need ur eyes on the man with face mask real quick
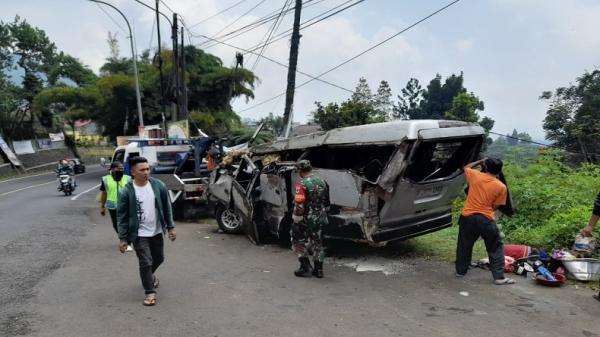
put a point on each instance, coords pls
(109, 192)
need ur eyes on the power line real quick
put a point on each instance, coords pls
(541, 144)
(112, 19)
(279, 63)
(169, 8)
(357, 55)
(151, 35)
(238, 18)
(304, 24)
(265, 19)
(519, 139)
(269, 33)
(217, 14)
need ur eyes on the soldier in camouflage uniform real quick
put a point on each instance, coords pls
(311, 205)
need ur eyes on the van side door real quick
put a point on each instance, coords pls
(241, 195)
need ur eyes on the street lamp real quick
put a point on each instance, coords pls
(135, 70)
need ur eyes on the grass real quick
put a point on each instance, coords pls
(440, 245)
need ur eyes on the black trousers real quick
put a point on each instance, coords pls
(470, 229)
(113, 218)
(150, 253)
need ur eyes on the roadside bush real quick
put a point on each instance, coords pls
(558, 232)
(552, 201)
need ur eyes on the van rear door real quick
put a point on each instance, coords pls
(432, 179)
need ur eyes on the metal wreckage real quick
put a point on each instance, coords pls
(388, 181)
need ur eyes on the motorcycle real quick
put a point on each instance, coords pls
(66, 184)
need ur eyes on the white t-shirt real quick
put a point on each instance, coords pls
(146, 211)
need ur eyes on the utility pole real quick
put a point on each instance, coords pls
(135, 69)
(160, 71)
(176, 106)
(182, 85)
(288, 114)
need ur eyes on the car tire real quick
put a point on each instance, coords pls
(229, 220)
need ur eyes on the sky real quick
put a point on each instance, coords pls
(508, 50)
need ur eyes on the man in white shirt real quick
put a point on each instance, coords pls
(144, 213)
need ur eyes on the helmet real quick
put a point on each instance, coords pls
(304, 165)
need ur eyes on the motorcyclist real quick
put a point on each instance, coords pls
(65, 168)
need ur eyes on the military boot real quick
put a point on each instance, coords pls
(318, 270)
(304, 267)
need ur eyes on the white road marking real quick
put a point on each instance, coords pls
(84, 192)
(43, 184)
(25, 177)
(26, 188)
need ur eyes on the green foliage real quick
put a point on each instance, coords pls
(361, 108)
(244, 134)
(409, 100)
(464, 108)
(552, 201)
(558, 232)
(449, 100)
(573, 117)
(11, 115)
(116, 107)
(64, 104)
(216, 123)
(348, 113)
(520, 153)
(274, 124)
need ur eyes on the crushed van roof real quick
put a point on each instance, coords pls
(379, 133)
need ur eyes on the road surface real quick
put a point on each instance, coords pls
(61, 275)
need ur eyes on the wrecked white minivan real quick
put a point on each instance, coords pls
(388, 181)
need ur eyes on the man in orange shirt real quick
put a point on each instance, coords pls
(486, 194)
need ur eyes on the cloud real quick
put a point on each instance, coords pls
(464, 45)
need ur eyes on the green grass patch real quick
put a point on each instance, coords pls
(440, 246)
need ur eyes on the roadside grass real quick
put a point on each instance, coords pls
(440, 246)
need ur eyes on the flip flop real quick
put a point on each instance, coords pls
(504, 281)
(149, 301)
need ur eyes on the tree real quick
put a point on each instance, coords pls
(512, 139)
(464, 108)
(438, 97)
(524, 137)
(382, 102)
(573, 116)
(362, 92)
(63, 104)
(273, 123)
(408, 101)
(117, 105)
(29, 49)
(11, 111)
(348, 113)
(211, 86)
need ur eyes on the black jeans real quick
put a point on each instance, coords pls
(150, 253)
(472, 227)
(113, 218)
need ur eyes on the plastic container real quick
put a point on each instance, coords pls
(559, 280)
(583, 269)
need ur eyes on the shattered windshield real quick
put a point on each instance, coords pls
(441, 159)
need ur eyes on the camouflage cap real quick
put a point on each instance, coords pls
(304, 165)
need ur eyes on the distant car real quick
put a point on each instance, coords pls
(78, 166)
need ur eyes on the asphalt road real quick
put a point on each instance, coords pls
(61, 275)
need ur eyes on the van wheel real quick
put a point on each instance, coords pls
(229, 221)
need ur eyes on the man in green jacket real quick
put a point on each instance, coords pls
(143, 215)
